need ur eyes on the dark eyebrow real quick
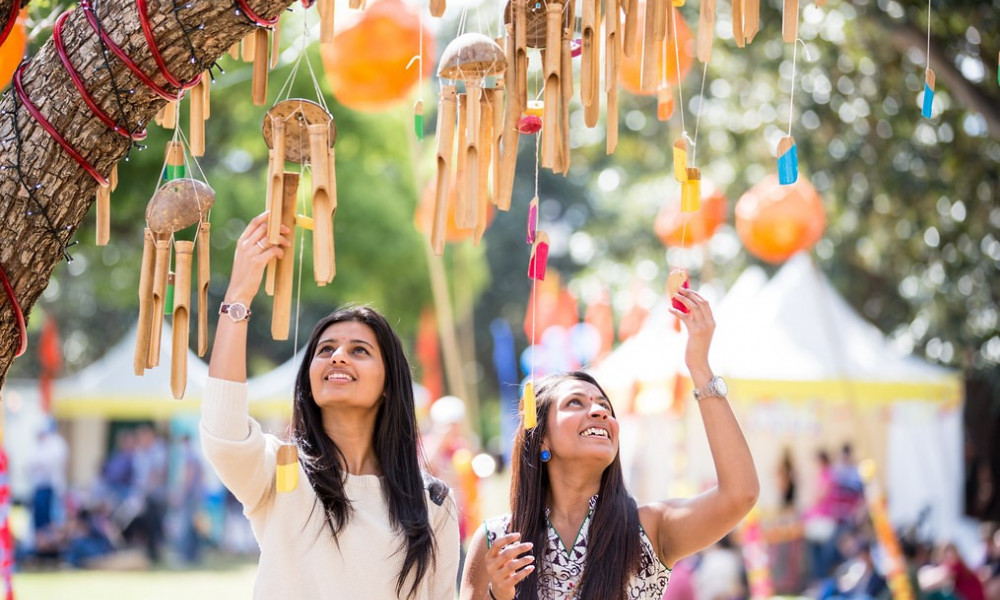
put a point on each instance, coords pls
(334, 341)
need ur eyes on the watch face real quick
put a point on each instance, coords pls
(720, 386)
(237, 312)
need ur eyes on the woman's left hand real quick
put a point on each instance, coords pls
(700, 325)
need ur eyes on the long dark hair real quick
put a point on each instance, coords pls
(613, 543)
(394, 441)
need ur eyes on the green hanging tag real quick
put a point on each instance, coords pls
(418, 119)
(173, 172)
(168, 301)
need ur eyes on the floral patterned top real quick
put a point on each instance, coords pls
(561, 569)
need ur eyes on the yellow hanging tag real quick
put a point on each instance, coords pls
(304, 222)
(680, 160)
(691, 191)
(528, 405)
(288, 468)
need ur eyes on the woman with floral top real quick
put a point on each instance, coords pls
(574, 531)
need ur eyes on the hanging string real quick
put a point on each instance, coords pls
(677, 65)
(928, 54)
(791, 95)
(697, 120)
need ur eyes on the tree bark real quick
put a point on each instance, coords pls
(5, 6)
(35, 230)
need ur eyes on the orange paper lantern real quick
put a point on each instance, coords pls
(630, 72)
(366, 63)
(677, 228)
(775, 221)
(12, 50)
(424, 216)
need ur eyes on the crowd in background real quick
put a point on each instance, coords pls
(154, 503)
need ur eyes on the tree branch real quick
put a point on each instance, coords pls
(45, 193)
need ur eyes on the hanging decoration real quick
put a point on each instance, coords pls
(746, 21)
(788, 153)
(471, 57)
(649, 68)
(775, 221)
(179, 203)
(364, 80)
(927, 108)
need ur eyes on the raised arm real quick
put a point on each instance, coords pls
(494, 571)
(229, 354)
(233, 442)
(686, 526)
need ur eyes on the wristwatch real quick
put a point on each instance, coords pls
(236, 311)
(715, 388)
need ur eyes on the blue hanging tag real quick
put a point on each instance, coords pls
(788, 161)
(928, 93)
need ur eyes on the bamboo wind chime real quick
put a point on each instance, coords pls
(178, 203)
(299, 131)
(471, 57)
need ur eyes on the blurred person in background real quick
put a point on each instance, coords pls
(47, 474)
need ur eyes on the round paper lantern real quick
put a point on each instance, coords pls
(424, 216)
(12, 50)
(366, 63)
(630, 71)
(676, 228)
(775, 221)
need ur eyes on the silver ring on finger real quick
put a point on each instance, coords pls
(260, 245)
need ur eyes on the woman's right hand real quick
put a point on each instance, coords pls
(506, 566)
(252, 255)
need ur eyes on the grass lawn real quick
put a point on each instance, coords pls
(218, 579)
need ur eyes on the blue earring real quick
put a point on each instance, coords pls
(546, 455)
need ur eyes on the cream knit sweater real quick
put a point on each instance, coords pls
(299, 559)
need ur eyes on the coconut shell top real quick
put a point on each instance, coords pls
(298, 114)
(536, 20)
(177, 204)
(471, 56)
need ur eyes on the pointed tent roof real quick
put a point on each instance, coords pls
(109, 386)
(799, 331)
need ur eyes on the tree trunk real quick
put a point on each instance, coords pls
(36, 226)
(5, 6)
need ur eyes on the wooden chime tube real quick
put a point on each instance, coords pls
(234, 51)
(146, 275)
(357, 4)
(612, 61)
(322, 203)
(751, 19)
(706, 30)
(565, 95)
(496, 101)
(445, 150)
(261, 63)
(553, 88)
(509, 135)
(275, 45)
(738, 8)
(103, 215)
(485, 158)
(275, 175)
(204, 277)
(197, 142)
(456, 191)
(660, 9)
(206, 88)
(649, 75)
(160, 270)
(520, 54)
(168, 114)
(281, 312)
(183, 251)
(790, 21)
(630, 35)
(590, 55)
(331, 165)
(247, 52)
(467, 212)
(326, 14)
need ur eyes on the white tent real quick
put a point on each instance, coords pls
(805, 372)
